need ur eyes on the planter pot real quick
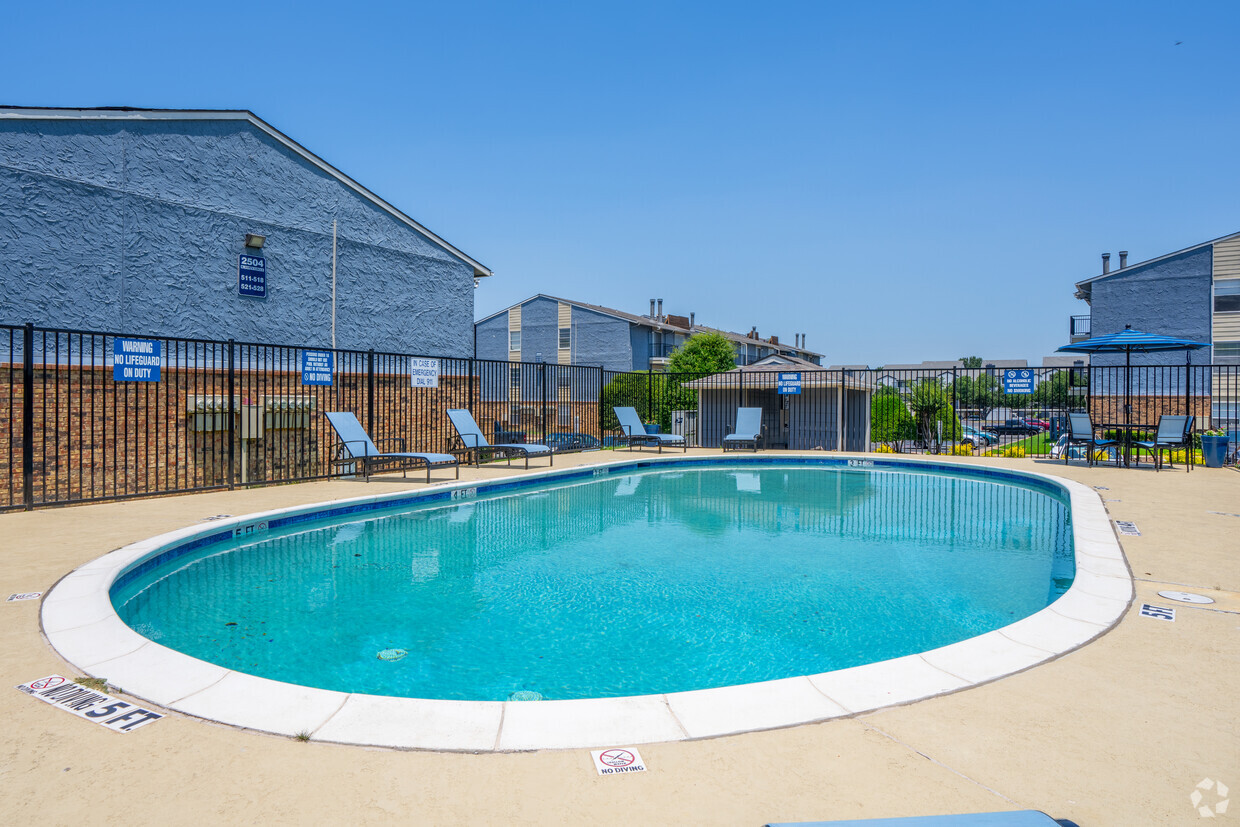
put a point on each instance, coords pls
(1213, 450)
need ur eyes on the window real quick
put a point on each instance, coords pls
(514, 340)
(1227, 296)
(566, 338)
(514, 376)
(565, 416)
(1227, 350)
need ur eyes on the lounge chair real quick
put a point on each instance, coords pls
(472, 438)
(748, 429)
(635, 432)
(357, 448)
(1081, 432)
(1174, 432)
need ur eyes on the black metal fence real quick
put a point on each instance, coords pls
(224, 414)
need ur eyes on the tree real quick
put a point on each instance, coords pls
(890, 421)
(979, 393)
(931, 405)
(641, 391)
(971, 362)
(703, 354)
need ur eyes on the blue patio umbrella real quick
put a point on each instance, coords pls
(1126, 342)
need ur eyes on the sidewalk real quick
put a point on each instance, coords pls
(1116, 733)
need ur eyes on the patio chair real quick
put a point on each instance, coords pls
(1174, 432)
(357, 448)
(748, 429)
(633, 429)
(1081, 432)
(472, 438)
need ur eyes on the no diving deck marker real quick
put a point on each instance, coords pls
(118, 716)
(1157, 612)
(1127, 528)
(617, 761)
(13, 598)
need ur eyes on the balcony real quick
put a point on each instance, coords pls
(1078, 328)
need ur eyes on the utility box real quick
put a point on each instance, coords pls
(684, 423)
(210, 413)
(287, 412)
(251, 424)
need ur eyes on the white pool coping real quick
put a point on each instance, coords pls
(80, 623)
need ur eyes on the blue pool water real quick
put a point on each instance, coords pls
(636, 582)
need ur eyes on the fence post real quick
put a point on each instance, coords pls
(542, 380)
(649, 384)
(955, 413)
(232, 430)
(473, 399)
(370, 391)
(28, 416)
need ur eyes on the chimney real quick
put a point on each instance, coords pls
(652, 308)
(660, 309)
(802, 341)
(690, 319)
(1106, 263)
(1123, 259)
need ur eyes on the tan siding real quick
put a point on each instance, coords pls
(514, 323)
(564, 355)
(1227, 327)
(1227, 259)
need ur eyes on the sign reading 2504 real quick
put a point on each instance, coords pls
(252, 276)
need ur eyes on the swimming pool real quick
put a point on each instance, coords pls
(819, 687)
(640, 582)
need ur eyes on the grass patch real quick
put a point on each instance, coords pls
(97, 684)
(1038, 444)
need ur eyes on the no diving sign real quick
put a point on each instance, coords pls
(115, 715)
(617, 761)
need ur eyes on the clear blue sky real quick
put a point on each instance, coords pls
(899, 181)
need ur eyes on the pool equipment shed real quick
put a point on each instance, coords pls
(829, 410)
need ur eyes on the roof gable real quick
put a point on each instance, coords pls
(125, 113)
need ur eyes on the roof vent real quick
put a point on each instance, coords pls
(1106, 263)
(1123, 259)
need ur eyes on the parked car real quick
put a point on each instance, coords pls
(1041, 423)
(974, 437)
(1015, 427)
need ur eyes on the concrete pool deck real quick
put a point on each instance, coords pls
(1117, 732)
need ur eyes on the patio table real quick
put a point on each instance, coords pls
(1126, 429)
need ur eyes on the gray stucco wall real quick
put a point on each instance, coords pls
(135, 226)
(493, 338)
(540, 330)
(1171, 297)
(602, 340)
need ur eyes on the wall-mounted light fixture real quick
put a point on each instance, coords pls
(255, 241)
